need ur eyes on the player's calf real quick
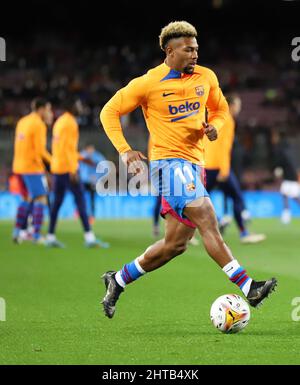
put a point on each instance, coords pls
(154, 257)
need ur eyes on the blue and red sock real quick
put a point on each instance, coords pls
(38, 216)
(238, 275)
(21, 217)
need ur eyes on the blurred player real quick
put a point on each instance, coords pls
(174, 96)
(285, 169)
(219, 172)
(28, 163)
(88, 174)
(64, 167)
(157, 203)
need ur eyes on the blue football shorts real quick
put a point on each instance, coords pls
(36, 184)
(178, 181)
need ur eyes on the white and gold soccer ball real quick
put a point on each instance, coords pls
(230, 313)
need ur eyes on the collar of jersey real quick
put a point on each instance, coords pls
(174, 74)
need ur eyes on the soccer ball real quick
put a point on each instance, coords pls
(230, 313)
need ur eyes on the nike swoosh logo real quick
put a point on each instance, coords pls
(170, 93)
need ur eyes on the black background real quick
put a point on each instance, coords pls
(95, 22)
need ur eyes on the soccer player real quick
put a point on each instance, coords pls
(28, 163)
(157, 203)
(173, 97)
(64, 167)
(219, 172)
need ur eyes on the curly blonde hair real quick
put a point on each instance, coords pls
(176, 29)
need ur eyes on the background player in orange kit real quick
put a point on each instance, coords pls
(64, 167)
(174, 96)
(28, 163)
(157, 204)
(219, 172)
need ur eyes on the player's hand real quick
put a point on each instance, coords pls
(134, 161)
(210, 131)
(74, 178)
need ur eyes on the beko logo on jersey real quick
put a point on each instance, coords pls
(185, 107)
(191, 108)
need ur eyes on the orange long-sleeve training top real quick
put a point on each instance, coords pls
(30, 145)
(174, 106)
(65, 139)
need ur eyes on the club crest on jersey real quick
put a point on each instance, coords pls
(191, 187)
(199, 90)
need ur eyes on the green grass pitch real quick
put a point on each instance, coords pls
(53, 315)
